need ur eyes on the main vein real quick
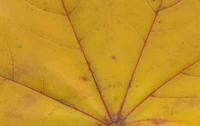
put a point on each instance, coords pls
(86, 59)
(139, 59)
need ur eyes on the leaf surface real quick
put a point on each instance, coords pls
(99, 62)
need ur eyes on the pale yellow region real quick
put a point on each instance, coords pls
(165, 55)
(177, 16)
(183, 111)
(5, 58)
(52, 6)
(156, 123)
(53, 27)
(113, 43)
(23, 107)
(193, 70)
(182, 86)
(154, 4)
(58, 71)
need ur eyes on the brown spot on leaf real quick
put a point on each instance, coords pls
(114, 58)
(84, 78)
(13, 115)
(193, 102)
(27, 100)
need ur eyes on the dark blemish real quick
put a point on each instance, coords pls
(19, 46)
(32, 9)
(27, 7)
(154, 0)
(97, 29)
(193, 103)
(13, 115)
(115, 98)
(28, 100)
(113, 57)
(51, 111)
(83, 78)
(159, 22)
(113, 86)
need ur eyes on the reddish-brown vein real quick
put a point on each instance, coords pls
(164, 8)
(150, 6)
(155, 121)
(51, 112)
(137, 31)
(74, 8)
(88, 31)
(42, 78)
(160, 97)
(87, 61)
(44, 9)
(46, 95)
(186, 74)
(11, 56)
(39, 35)
(125, 117)
(2, 81)
(138, 61)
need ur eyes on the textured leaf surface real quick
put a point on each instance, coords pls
(99, 62)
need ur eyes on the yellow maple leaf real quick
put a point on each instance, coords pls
(99, 62)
